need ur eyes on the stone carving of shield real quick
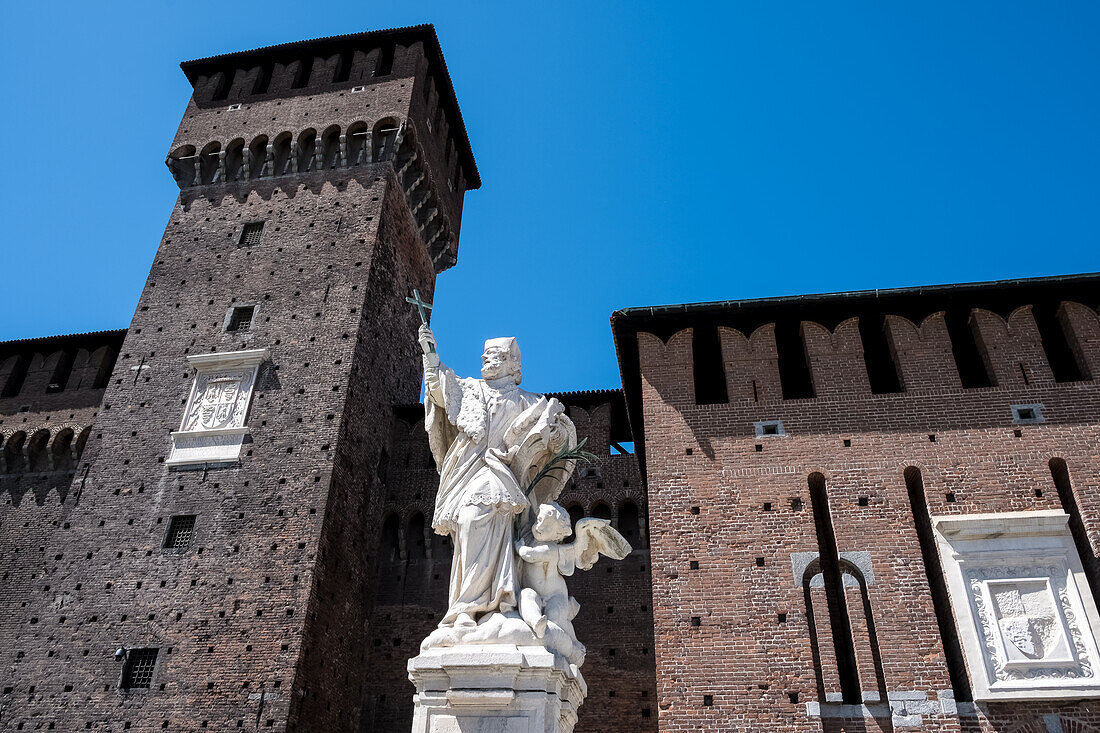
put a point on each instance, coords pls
(1027, 617)
(219, 403)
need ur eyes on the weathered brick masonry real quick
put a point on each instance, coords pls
(777, 441)
(876, 432)
(263, 621)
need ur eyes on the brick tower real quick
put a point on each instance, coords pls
(210, 566)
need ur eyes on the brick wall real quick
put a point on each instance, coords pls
(742, 642)
(262, 622)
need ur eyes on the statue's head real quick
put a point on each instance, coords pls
(552, 524)
(501, 359)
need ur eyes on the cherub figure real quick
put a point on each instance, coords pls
(544, 600)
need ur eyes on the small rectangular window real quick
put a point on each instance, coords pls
(137, 670)
(181, 529)
(1027, 414)
(250, 235)
(769, 428)
(240, 318)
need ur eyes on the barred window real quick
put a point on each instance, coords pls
(137, 670)
(180, 531)
(250, 235)
(240, 318)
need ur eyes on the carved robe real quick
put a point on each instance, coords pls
(481, 440)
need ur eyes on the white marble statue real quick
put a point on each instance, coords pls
(544, 600)
(492, 442)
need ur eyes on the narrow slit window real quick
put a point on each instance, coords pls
(137, 670)
(181, 530)
(251, 234)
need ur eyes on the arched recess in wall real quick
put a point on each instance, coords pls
(283, 153)
(209, 161)
(359, 146)
(257, 158)
(307, 150)
(82, 442)
(414, 538)
(384, 138)
(234, 160)
(330, 142)
(104, 360)
(182, 162)
(388, 542)
(866, 647)
(630, 525)
(37, 451)
(13, 452)
(62, 450)
(601, 510)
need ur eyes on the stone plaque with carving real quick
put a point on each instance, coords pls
(1027, 617)
(213, 425)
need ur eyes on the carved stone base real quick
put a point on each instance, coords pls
(498, 688)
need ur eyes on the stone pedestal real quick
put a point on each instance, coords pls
(497, 688)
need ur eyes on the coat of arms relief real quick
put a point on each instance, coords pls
(213, 427)
(1026, 616)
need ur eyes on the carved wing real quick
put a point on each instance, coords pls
(597, 537)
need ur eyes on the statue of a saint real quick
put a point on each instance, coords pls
(489, 439)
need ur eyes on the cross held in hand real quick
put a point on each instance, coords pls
(420, 306)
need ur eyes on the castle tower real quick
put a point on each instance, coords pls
(220, 531)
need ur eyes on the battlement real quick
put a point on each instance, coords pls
(344, 63)
(31, 369)
(843, 347)
(50, 392)
(328, 110)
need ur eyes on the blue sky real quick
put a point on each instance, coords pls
(632, 153)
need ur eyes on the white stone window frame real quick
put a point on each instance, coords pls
(981, 551)
(1036, 411)
(760, 428)
(210, 446)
